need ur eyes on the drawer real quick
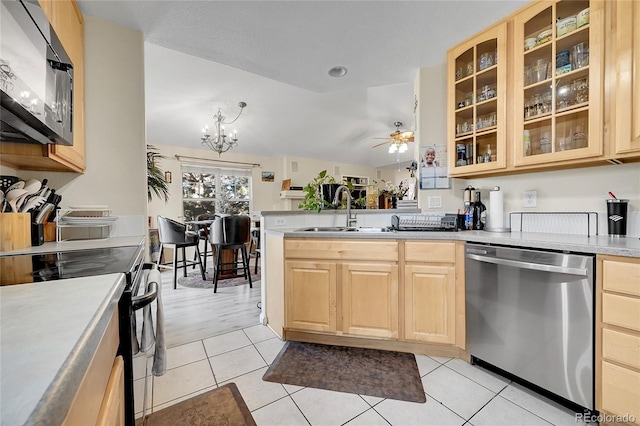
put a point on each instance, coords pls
(341, 250)
(620, 391)
(621, 311)
(621, 347)
(621, 277)
(430, 252)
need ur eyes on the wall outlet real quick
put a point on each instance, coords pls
(530, 199)
(281, 221)
(434, 202)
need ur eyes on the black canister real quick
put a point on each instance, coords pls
(617, 217)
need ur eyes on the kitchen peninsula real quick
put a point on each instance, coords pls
(406, 291)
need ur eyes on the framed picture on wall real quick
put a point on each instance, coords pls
(433, 167)
(268, 176)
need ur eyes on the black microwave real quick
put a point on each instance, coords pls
(36, 78)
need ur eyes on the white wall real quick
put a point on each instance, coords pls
(114, 119)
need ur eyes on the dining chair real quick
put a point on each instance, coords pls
(174, 235)
(203, 235)
(230, 233)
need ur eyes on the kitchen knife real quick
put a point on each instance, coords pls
(47, 208)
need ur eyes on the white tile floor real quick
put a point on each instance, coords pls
(457, 393)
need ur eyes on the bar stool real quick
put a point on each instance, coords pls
(254, 247)
(174, 235)
(230, 233)
(203, 235)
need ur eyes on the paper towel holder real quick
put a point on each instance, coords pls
(500, 207)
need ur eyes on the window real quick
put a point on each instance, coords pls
(208, 190)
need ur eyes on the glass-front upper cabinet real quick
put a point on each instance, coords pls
(476, 103)
(558, 73)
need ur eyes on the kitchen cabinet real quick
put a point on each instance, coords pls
(558, 83)
(112, 408)
(101, 391)
(618, 336)
(342, 287)
(434, 293)
(624, 71)
(385, 294)
(370, 299)
(311, 295)
(477, 102)
(66, 19)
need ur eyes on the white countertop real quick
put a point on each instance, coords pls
(599, 244)
(48, 334)
(80, 245)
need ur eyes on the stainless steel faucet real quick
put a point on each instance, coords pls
(351, 220)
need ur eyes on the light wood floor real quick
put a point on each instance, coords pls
(192, 314)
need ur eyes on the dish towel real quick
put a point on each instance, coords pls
(150, 341)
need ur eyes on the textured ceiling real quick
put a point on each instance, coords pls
(275, 55)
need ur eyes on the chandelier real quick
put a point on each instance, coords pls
(221, 142)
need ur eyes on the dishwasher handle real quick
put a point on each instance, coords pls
(528, 265)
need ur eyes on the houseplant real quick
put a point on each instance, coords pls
(313, 194)
(156, 183)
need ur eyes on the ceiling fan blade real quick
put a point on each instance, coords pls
(380, 144)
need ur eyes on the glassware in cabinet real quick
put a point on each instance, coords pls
(477, 93)
(560, 119)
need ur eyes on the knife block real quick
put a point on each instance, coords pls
(15, 231)
(50, 232)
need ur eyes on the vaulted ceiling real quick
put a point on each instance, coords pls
(275, 56)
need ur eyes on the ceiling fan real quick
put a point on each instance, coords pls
(398, 141)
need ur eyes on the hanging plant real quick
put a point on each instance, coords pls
(156, 183)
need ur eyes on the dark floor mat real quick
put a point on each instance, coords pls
(372, 372)
(217, 407)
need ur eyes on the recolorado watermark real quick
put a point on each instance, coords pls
(605, 418)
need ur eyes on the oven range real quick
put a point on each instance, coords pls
(45, 267)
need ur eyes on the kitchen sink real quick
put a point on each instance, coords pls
(342, 229)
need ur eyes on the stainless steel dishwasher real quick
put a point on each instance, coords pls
(530, 313)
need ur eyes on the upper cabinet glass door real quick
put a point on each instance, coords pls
(558, 96)
(476, 103)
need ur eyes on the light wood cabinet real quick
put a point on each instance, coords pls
(370, 299)
(112, 409)
(102, 387)
(624, 72)
(384, 294)
(334, 286)
(618, 336)
(310, 294)
(558, 83)
(476, 103)
(434, 293)
(66, 19)
(563, 108)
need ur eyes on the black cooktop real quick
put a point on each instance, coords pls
(27, 268)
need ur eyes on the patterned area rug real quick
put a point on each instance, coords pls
(218, 407)
(194, 279)
(385, 374)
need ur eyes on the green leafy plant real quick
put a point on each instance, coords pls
(156, 183)
(312, 195)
